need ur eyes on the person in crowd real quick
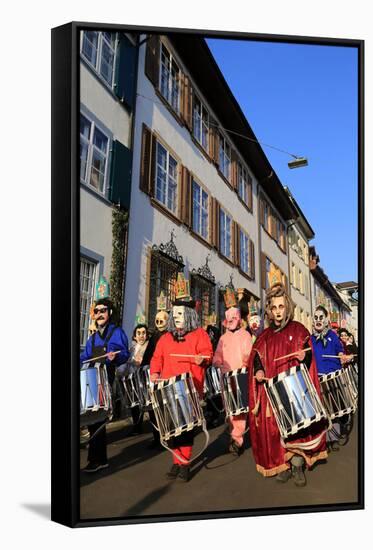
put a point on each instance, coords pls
(274, 456)
(110, 341)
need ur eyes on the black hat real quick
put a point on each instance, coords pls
(184, 302)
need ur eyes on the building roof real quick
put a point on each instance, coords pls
(349, 285)
(301, 220)
(198, 59)
(322, 278)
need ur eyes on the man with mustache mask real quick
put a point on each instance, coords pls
(109, 339)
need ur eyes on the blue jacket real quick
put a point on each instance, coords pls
(334, 346)
(117, 341)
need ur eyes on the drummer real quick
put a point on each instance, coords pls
(273, 456)
(185, 337)
(329, 355)
(232, 353)
(109, 340)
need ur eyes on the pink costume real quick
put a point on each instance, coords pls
(232, 353)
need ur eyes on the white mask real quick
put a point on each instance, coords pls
(178, 313)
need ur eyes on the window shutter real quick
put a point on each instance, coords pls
(214, 220)
(261, 211)
(152, 59)
(273, 225)
(186, 196)
(235, 243)
(252, 260)
(263, 270)
(213, 141)
(186, 100)
(234, 169)
(125, 71)
(147, 168)
(286, 282)
(120, 175)
(249, 192)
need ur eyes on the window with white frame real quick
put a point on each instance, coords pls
(225, 234)
(166, 178)
(87, 287)
(244, 252)
(200, 123)
(224, 157)
(170, 79)
(301, 286)
(99, 49)
(200, 210)
(243, 186)
(94, 152)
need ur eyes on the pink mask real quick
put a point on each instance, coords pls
(232, 318)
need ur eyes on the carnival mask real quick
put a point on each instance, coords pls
(161, 320)
(232, 318)
(254, 323)
(141, 335)
(320, 321)
(278, 310)
(178, 313)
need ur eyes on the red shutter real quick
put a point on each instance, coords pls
(186, 100)
(214, 215)
(236, 243)
(186, 196)
(152, 59)
(234, 169)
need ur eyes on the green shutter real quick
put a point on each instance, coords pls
(125, 71)
(120, 176)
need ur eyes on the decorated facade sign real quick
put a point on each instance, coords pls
(102, 288)
(182, 287)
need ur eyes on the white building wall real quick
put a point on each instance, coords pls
(302, 300)
(148, 226)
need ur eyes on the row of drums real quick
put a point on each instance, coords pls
(177, 407)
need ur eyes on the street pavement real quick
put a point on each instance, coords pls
(135, 482)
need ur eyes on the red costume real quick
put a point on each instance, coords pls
(270, 455)
(196, 342)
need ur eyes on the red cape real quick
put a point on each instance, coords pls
(270, 455)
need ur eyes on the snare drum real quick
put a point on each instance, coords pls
(212, 386)
(143, 374)
(176, 406)
(234, 386)
(352, 376)
(131, 389)
(95, 395)
(294, 400)
(336, 394)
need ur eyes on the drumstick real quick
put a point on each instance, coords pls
(290, 354)
(100, 357)
(338, 356)
(186, 355)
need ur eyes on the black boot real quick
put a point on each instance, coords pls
(173, 473)
(299, 477)
(284, 476)
(184, 473)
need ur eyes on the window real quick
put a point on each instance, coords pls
(301, 286)
(94, 151)
(224, 157)
(99, 49)
(243, 186)
(166, 178)
(244, 252)
(203, 291)
(266, 216)
(87, 287)
(280, 234)
(268, 269)
(225, 234)
(200, 211)
(200, 123)
(163, 275)
(170, 79)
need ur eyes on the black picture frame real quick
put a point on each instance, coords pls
(65, 274)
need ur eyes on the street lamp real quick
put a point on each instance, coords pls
(298, 162)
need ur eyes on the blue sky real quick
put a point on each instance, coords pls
(304, 99)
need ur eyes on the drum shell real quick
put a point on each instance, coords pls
(212, 387)
(95, 396)
(337, 394)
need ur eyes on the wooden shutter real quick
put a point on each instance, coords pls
(249, 192)
(236, 243)
(120, 175)
(252, 260)
(213, 141)
(261, 211)
(263, 270)
(272, 224)
(152, 59)
(186, 100)
(186, 196)
(125, 71)
(286, 282)
(214, 221)
(147, 168)
(234, 169)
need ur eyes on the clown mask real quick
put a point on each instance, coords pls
(320, 320)
(232, 319)
(254, 323)
(141, 335)
(161, 320)
(178, 313)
